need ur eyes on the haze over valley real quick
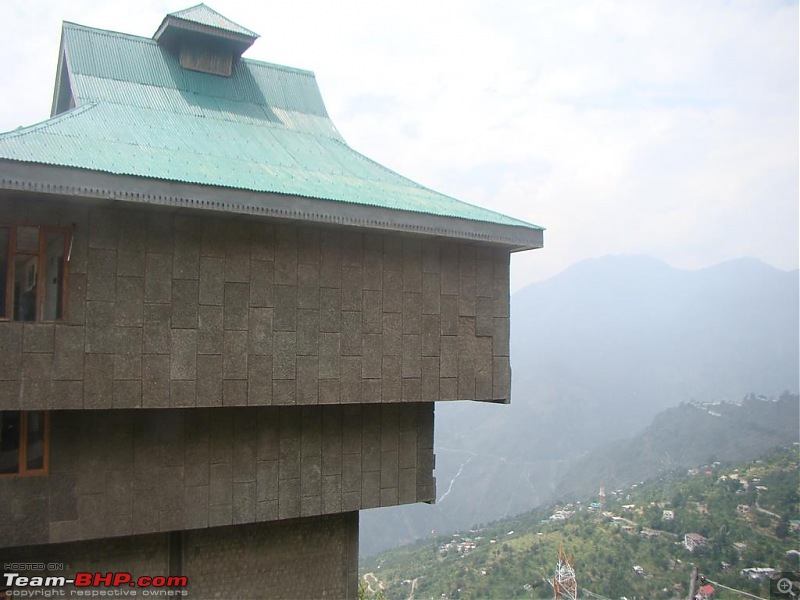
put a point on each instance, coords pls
(597, 352)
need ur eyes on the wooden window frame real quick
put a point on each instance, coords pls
(22, 455)
(41, 270)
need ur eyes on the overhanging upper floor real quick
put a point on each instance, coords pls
(165, 308)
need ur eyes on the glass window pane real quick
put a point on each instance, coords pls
(35, 450)
(4, 235)
(28, 239)
(25, 276)
(9, 442)
(54, 276)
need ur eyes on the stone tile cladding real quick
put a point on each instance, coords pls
(123, 472)
(304, 558)
(183, 311)
(315, 557)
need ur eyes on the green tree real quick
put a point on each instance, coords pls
(782, 530)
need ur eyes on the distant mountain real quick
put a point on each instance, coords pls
(596, 353)
(684, 436)
(622, 337)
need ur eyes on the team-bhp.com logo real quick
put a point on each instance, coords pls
(87, 584)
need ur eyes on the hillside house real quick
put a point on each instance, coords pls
(757, 573)
(707, 592)
(224, 330)
(649, 533)
(692, 541)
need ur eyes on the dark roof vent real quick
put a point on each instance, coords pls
(204, 40)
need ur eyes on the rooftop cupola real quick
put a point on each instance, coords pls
(204, 40)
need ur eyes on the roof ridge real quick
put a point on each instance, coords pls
(110, 32)
(187, 14)
(188, 8)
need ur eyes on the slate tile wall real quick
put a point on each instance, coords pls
(315, 557)
(124, 472)
(169, 310)
(139, 555)
(299, 558)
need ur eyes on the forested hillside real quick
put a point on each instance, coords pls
(632, 544)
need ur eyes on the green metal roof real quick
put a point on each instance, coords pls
(264, 129)
(204, 15)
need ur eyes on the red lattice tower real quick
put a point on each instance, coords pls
(564, 585)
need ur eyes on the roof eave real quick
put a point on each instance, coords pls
(80, 183)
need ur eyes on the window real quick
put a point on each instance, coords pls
(32, 272)
(24, 442)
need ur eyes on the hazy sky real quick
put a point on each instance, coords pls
(661, 127)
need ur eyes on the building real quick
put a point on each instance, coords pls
(649, 533)
(223, 329)
(692, 541)
(757, 573)
(706, 592)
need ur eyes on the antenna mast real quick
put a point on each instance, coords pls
(564, 585)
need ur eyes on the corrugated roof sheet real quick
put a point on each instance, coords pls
(264, 129)
(207, 16)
